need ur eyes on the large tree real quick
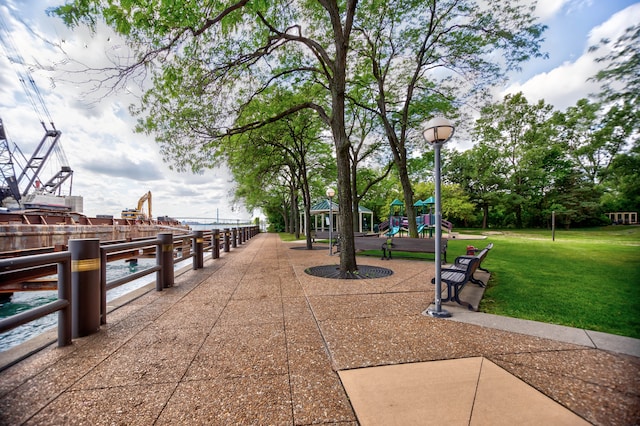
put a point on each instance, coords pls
(479, 172)
(417, 58)
(620, 77)
(620, 92)
(592, 139)
(214, 61)
(293, 147)
(529, 154)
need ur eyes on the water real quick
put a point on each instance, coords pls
(220, 226)
(25, 300)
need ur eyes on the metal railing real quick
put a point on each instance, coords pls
(83, 266)
(62, 305)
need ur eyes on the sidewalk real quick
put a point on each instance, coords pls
(253, 339)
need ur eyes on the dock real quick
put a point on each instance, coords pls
(253, 339)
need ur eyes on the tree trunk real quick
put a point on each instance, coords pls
(285, 217)
(342, 30)
(485, 215)
(306, 198)
(407, 191)
(347, 245)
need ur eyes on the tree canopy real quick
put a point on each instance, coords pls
(271, 81)
(209, 64)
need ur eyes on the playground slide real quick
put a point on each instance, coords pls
(421, 227)
(393, 231)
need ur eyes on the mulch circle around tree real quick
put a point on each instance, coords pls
(363, 272)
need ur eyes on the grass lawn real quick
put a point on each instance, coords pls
(586, 278)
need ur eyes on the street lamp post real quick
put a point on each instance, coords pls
(330, 194)
(439, 130)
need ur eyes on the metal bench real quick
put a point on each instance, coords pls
(324, 235)
(415, 245)
(462, 261)
(456, 279)
(388, 245)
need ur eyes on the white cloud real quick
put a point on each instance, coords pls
(561, 87)
(548, 9)
(113, 166)
(545, 9)
(564, 85)
(615, 26)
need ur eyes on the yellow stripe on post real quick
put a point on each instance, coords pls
(84, 265)
(167, 247)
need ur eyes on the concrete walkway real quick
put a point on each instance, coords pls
(253, 339)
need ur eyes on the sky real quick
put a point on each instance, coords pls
(114, 166)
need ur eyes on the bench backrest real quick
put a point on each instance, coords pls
(471, 268)
(417, 244)
(484, 251)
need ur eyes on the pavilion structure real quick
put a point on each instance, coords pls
(321, 211)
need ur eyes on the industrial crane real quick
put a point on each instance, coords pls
(19, 190)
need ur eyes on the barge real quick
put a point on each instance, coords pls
(28, 230)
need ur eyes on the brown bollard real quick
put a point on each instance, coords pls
(243, 238)
(165, 275)
(85, 286)
(215, 251)
(234, 237)
(227, 236)
(198, 249)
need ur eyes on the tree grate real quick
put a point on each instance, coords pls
(364, 272)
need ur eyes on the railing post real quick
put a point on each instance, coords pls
(165, 275)
(198, 249)
(234, 237)
(215, 251)
(65, 316)
(227, 234)
(85, 286)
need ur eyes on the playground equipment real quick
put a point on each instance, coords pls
(399, 223)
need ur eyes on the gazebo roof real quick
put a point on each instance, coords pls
(323, 206)
(429, 200)
(397, 202)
